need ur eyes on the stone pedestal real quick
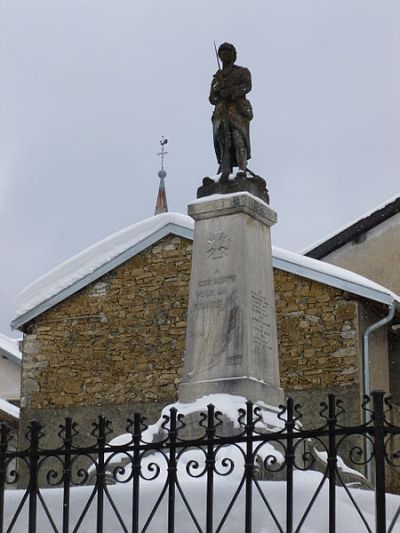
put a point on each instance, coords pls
(231, 343)
(253, 184)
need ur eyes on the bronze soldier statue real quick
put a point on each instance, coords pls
(232, 113)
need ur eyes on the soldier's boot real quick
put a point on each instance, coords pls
(241, 157)
(225, 167)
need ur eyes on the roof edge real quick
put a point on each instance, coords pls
(9, 409)
(353, 230)
(10, 356)
(287, 265)
(333, 281)
(170, 228)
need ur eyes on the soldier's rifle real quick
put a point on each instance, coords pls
(225, 160)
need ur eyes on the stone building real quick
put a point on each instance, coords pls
(105, 331)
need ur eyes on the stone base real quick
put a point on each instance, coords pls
(249, 388)
(231, 339)
(255, 185)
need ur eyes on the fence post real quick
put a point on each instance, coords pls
(100, 478)
(33, 436)
(210, 463)
(4, 431)
(172, 470)
(290, 423)
(67, 473)
(332, 461)
(137, 436)
(249, 466)
(379, 452)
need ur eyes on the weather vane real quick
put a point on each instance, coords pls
(163, 153)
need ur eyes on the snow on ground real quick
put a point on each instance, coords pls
(305, 485)
(228, 477)
(340, 463)
(227, 404)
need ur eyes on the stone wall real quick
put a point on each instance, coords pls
(317, 334)
(116, 346)
(118, 340)
(121, 339)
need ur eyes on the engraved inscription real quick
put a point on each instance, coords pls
(211, 292)
(261, 328)
(218, 245)
(218, 280)
(205, 293)
(234, 360)
(197, 333)
(215, 325)
(209, 304)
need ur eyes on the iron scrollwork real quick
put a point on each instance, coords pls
(243, 450)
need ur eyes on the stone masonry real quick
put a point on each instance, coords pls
(317, 332)
(120, 339)
(117, 345)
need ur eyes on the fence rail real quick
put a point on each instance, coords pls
(164, 469)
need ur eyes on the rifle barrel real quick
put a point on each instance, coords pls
(216, 53)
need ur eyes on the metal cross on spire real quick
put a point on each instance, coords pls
(163, 153)
(161, 203)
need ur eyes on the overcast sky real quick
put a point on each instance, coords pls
(88, 87)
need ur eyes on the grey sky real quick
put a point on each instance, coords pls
(89, 86)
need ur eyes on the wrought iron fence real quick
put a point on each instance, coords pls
(242, 480)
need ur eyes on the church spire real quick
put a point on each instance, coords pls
(161, 204)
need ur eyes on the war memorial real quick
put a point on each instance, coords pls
(231, 342)
(219, 446)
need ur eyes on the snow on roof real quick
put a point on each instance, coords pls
(332, 275)
(97, 260)
(317, 243)
(10, 348)
(8, 408)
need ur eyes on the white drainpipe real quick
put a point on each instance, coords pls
(367, 333)
(373, 327)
